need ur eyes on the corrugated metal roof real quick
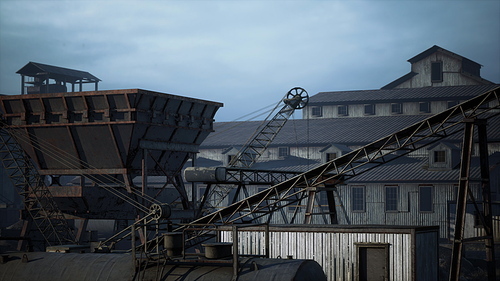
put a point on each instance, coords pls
(400, 80)
(406, 94)
(317, 132)
(33, 68)
(406, 169)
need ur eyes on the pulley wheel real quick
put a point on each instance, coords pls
(160, 211)
(297, 98)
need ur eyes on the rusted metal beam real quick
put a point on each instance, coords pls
(486, 192)
(463, 186)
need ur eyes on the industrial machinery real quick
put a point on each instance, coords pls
(296, 98)
(79, 154)
(99, 148)
(154, 134)
(239, 169)
(461, 117)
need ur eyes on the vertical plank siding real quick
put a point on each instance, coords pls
(336, 251)
(408, 212)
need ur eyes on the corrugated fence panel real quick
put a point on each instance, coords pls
(337, 252)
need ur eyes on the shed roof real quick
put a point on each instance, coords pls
(35, 69)
(400, 95)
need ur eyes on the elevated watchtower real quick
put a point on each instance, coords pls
(38, 78)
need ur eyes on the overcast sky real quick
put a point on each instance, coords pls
(245, 54)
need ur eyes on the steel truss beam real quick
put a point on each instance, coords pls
(296, 98)
(38, 202)
(379, 152)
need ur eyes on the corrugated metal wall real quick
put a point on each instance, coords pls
(336, 252)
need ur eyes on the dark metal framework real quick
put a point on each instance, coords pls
(40, 208)
(296, 98)
(109, 137)
(236, 173)
(464, 193)
(368, 157)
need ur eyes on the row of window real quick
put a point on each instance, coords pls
(358, 198)
(282, 152)
(439, 156)
(369, 109)
(425, 198)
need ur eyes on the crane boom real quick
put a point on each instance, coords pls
(296, 98)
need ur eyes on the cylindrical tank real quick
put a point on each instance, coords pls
(205, 174)
(173, 242)
(41, 266)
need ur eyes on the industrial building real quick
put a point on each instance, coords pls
(418, 189)
(374, 173)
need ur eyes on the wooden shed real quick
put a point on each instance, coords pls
(348, 252)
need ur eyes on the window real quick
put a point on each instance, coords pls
(282, 151)
(425, 107)
(396, 108)
(439, 156)
(452, 103)
(331, 156)
(437, 71)
(230, 158)
(342, 110)
(358, 198)
(317, 111)
(369, 109)
(391, 198)
(425, 198)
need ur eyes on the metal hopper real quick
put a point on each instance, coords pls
(107, 136)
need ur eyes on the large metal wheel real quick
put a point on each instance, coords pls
(160, 211)
(297, 98)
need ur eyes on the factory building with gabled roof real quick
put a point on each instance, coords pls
(416, 189)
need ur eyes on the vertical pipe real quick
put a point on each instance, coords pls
(133, 245)
(487, 213)
(267, 239)
(463, 185)
(144, 168)
(22, 84)
(235, 252)
(193, 190)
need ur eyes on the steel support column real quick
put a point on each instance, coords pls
(486, 192)
(310, 205)
(330, 196)
(463, 186)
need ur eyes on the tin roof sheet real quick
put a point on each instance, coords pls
(318, 132)
(406, 94)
